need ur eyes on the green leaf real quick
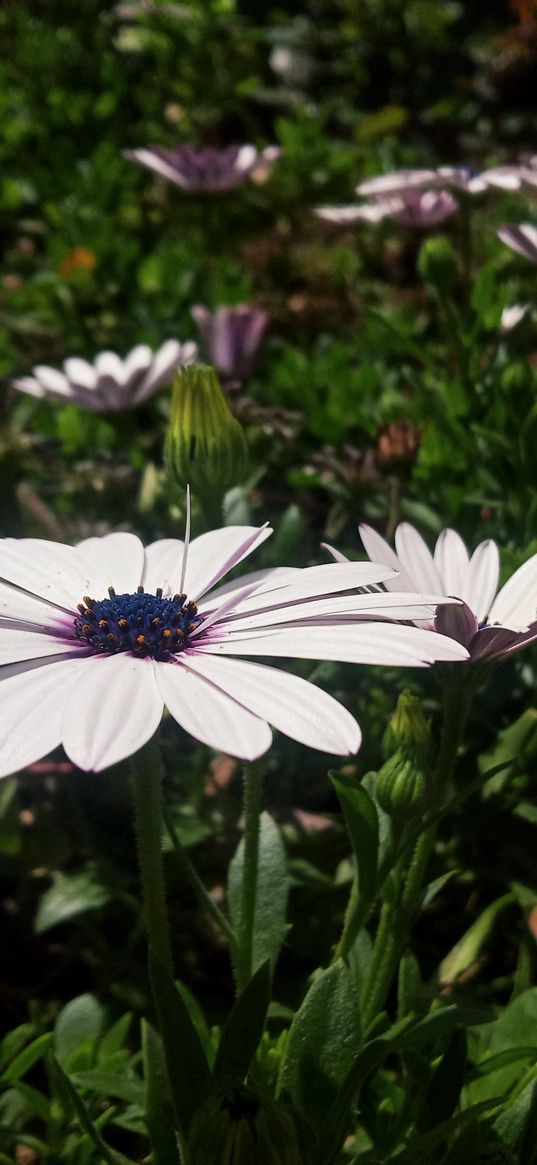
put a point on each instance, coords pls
(189, 1077)
(443, 1092)
(14, 1041)
(324, 1042)
(410, 994)
(158, 1105)
(469, 947)
(81, 1112)
(419, 1151)
(107, 1084)
(440, 1022)
(361, 819)
(509, 1032)
(243, 1030)
(27, 1058)
(270, 924)
(516, 1126)
(77, 1030)
(114, 1039)
(69, 896)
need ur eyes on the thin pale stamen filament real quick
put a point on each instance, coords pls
(186, 542)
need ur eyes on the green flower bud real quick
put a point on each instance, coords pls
(241, 1129)
(401, 788)
(410, 730)
(205, 445)
(437, 262)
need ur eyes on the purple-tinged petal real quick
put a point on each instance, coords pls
(170, 356)
(516, 604)
(53, 381)
(214, 554)
(505, 177)
(33, 699)
(29, 385)
(292, 705)
(309, 583)
(368, 212)
(163, 561)
(521, 238)
(482, 579)
(18, 645)
(497, 641)
(458, 622)
(112, 710)
(394, 606)
(452, 562)
(205, 711)
(159, 164)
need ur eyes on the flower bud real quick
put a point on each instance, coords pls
(401, 788)
(205, 445)
(437, 262)
(409, 729)
(241, 1129)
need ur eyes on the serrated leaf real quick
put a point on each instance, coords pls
(324, 1041)
(243, 1030)
(270, 923)
(189, 1077)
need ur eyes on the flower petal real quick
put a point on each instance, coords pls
(112, 710)
(417, 559)
(17, 645)
(209, 714)
(516, 604)
(115, 560)
(312, 582)
(53, 381)
(351, 642)
(80, 373)
(35, 614)
(458, 622)
(379, 551)
(33, 698)
(50, 570)
(452, 561)
(482, 579)
(163, 562)
(336, 554)
(404, 605)
(212, 555)
(293, 705)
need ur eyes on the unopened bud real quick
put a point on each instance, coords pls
(205, 445)
(409, 729)
(437, 262)
(401, 787)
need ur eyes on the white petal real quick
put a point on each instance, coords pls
(162, 568)
(109, 366)
(51, 570)
(212, 555)
(368, 212)
(33, 700)
(278, 592)
(417, 559)
(17, 606)
(375, 643)
(403, 605)
(293, 705)
(452, 561)
(272, 578)
(398, 182)
(30, 385)
(17, 645)
(168, 357)
(379, 551)
(336, 554)
(482, 579)
(80, 372)
(516, 604)
(52, 381)
(113, 709)
(209, 715)
(115, 560)
(160, 165)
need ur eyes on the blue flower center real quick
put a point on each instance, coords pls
(141, 623)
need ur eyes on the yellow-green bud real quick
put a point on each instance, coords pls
(205, 445)
(437, 262)
(409, 729)
(401, 787)
(241, 1129)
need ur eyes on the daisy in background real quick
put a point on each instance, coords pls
(96, 640)
(207, 170)
(110, 384)
(232, 337)
(521, 238)
(489, 624)
(413, 208)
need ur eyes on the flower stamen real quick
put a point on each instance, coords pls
(140, 623)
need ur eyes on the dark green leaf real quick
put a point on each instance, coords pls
(270, 924)
(443, 1092)
(77, 1029)
(81, 1112)
(323, 1044)
(27, 1058)
(361, 820)
(243, 1030)
(106, 1084)
(158, 1105)
(189, 1077)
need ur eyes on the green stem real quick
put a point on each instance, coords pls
(147, 782)
(399, 910)
(202, 894)
(245, 931)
